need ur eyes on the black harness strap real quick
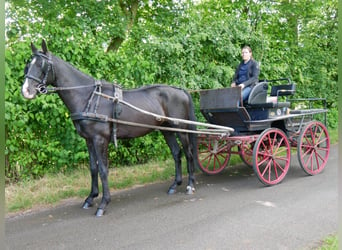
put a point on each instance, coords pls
(89, 116)
(94, 116)
(97, 88)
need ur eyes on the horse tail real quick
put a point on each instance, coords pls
(193, 136)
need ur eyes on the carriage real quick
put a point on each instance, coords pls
(268, 127)
(262, 131)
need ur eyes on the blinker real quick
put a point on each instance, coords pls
(45, 68)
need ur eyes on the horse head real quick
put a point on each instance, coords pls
(38, 72)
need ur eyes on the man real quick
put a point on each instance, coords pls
(247, 73)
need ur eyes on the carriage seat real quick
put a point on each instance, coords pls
(258, 93)
(282, 90)
(258, 97)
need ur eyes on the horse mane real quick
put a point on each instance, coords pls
(150, 86)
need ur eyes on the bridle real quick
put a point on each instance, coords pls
(47, 66)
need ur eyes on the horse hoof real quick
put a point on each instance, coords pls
(86, 205)
(171, 191)
(100, 212)
(190, 190)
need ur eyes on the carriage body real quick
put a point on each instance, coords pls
(266, 128)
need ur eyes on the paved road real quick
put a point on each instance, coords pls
(229, 211)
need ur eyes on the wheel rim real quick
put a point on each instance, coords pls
(213, 154)
(313, 149)
(271, 156)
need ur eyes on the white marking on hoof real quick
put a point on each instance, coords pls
(190, 190)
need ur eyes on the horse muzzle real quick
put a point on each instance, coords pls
(28, 91)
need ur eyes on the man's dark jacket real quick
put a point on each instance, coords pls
(253, 73)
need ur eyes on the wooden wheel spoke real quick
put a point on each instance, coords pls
(280, 151)
(276, 148)
(271, 156)
(313, 148)
(277, 165)
(267, 169)
(217, 160)
(206, 158)
(213, 155)
(317, 156)
(322, 141)
(264, 157)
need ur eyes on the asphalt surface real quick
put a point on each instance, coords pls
(232, 210)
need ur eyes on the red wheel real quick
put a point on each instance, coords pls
(271, 156)
(246, 153)
(313, 148)
(213, 154)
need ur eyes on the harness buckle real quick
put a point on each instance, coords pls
(42, 89)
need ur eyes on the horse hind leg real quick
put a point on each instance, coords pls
(188, 149)
(176, 152)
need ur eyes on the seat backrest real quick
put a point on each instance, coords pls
(283, 90)
(258, 93)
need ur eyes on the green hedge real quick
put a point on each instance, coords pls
(186, 45)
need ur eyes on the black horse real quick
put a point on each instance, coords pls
(92, 115)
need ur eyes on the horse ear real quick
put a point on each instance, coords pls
(44, 47)
(34, 49)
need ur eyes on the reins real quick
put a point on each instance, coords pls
(55, 89)
(117, 98)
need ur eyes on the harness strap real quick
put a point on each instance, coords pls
(117, 94)
(97, 88)
(223, 132)
(55, 89)
(89, 116)
(94, 116)
(115, 116)
(98, 85)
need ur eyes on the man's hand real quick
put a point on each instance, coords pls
(233, 85)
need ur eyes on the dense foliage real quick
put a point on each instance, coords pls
(192, 44)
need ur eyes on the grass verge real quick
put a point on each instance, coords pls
(330, 243)
(51, 189)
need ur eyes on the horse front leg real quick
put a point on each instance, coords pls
(94, 176)
(171, 141)
(101, 149)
